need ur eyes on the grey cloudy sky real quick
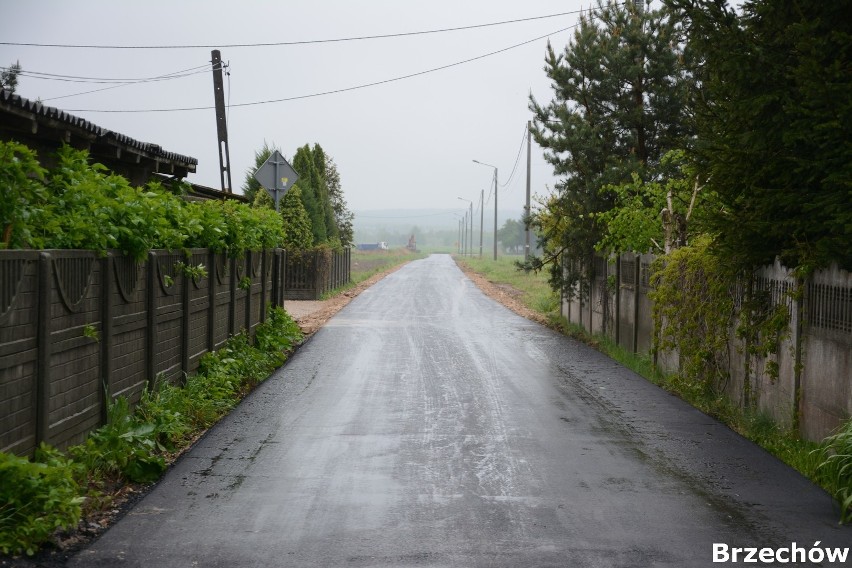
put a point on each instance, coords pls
(404, 144)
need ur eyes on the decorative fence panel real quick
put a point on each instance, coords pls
(76, 329)
(813, 386)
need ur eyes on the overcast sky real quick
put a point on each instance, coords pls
(403, 144)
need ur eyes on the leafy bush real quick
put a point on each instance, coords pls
(125, 447)
(81, 206)
(36, 498)
(835, 469)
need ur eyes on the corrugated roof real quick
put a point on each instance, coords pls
(13, 101)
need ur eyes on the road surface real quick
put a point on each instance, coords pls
(426, 425)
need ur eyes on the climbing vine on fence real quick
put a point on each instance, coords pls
(698, 300)
(693, 308)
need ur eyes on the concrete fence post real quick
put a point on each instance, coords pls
(151, 314)
(106, 338)
(42, 398)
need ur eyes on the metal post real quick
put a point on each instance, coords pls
(275, 190)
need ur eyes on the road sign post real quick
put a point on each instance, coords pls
(276, 176)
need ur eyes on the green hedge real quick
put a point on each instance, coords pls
(77, 205)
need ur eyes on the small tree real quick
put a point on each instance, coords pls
(251, 186)
(297, 224)
(9, 77)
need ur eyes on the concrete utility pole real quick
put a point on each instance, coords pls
(481, 218)
(221, 124)
(495, 204)
(527, 206)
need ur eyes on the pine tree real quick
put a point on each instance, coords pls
(251, 186)
(619, 105)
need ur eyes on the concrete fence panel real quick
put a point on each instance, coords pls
(77, 329)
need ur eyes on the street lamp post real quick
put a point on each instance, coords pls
(481, 218)
(470, 237)
(495, 204)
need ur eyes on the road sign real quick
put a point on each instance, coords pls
(277, 176)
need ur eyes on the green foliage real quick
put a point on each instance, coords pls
(343, 217)
(314, 210)
(773, 128)
(693, 309)
(251, 187)
(24, 201)
(834, 470)
(36, 498)
(78, 205)
(297, 224)
(9, 77)
(620, 99)
(312, 187)
(40, 496)
(194, 273)
(125, 447)
(653, 215)
(512, 235)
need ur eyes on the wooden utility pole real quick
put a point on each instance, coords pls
(221, 124)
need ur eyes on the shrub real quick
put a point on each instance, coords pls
(36, 498)
(834, 471)
(125, 447)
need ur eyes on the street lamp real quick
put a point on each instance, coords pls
(460, 232)
(495, 203)
(470, 238)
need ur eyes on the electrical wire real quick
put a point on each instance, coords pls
(288, 43)
(102, 80)
(125, 84)
(517, 159)
(336, 91)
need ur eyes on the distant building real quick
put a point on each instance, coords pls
(372, 246)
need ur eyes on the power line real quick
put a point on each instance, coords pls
(517, 159)
(136, 82)
(288, 43)
(96, 80)
(335, 91)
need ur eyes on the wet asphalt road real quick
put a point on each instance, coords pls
(426, 425)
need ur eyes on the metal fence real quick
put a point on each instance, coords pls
(77, 329)
(311, 274)
(813, 388)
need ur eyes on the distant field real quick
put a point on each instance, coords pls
(366, 263)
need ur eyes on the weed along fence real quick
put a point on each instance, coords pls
(311, 274)
(76, 328)
(810, 386)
